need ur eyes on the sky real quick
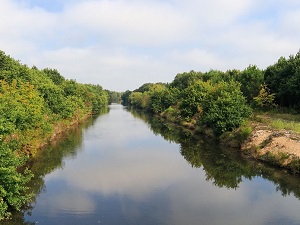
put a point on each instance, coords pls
(122, 44)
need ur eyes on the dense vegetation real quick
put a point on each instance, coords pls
(114, 97)
(34, 105)
(221, 101)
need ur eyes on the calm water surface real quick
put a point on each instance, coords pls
(125, 169)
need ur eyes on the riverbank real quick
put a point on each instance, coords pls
(35, 141)
(61, 128)
(278, 147)
(261, 139)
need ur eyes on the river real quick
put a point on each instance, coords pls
(124, 168)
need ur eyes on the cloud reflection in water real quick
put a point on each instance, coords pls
(128, 175)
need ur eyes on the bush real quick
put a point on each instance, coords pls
(12, 183)
(225, 108)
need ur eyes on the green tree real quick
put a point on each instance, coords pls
(135, 99)
(114, 96)
(283, 79)
(192, 99)
(225, 108)
(214, 76)
(54, 75)
(31, 103)
(21, 107)
(182, 81)
(125, 97)
(265, 99)
(251, 80)
(12, 183)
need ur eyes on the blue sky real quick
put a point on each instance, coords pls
(122, 44)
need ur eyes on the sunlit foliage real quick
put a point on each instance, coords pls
(32, 103)
(194, 98)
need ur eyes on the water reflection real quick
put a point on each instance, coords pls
(223, 166)
(52, 158)
(118, 170)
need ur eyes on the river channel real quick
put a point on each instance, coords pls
(126, 168)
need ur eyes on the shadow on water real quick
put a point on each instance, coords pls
(223, 166)
(49, 159)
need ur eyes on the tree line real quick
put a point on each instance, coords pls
(34, 104)
(221, 101)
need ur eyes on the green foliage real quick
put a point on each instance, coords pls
(135, 99)
(32, 102)
(160, 98)
(225, 108)
(10, 69)
(251, 79)
(237, 137)
(182, 81)
(125, 97)
(148, 87)
(152, 97)
(192, 99)
(113, 96)
(96, 97)
(12, 183)
(21, 107)
(54, 75)
(214, 76)
(283, 79)
(265, 100)
(219, 105)
(223, 165)
(53, 97)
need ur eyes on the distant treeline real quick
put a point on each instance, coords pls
(35, 104)
(221, 100)
(114, 96)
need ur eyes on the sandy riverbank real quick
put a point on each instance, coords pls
(278, 147)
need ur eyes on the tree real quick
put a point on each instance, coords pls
(251, 80)
(283, 79)
(114, 96)
(54, 75)
(225, 108)
(125, 97)
(135, 99)
(182, 81)
(12, 183)
(192, 99)
(31, 103)
(265, 99)
(21, 107)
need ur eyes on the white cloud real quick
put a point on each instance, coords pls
(197, 59)
(137, 173)
(122, 44)
(132, 23)
(289, 25)
(74, 202)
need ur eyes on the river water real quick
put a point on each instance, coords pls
(124, 168)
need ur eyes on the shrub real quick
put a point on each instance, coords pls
(225, 108)
(12, 183)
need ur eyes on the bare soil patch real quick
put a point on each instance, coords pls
(282, 145)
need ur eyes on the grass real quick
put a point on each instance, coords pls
(287, 125)
(279, 121)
